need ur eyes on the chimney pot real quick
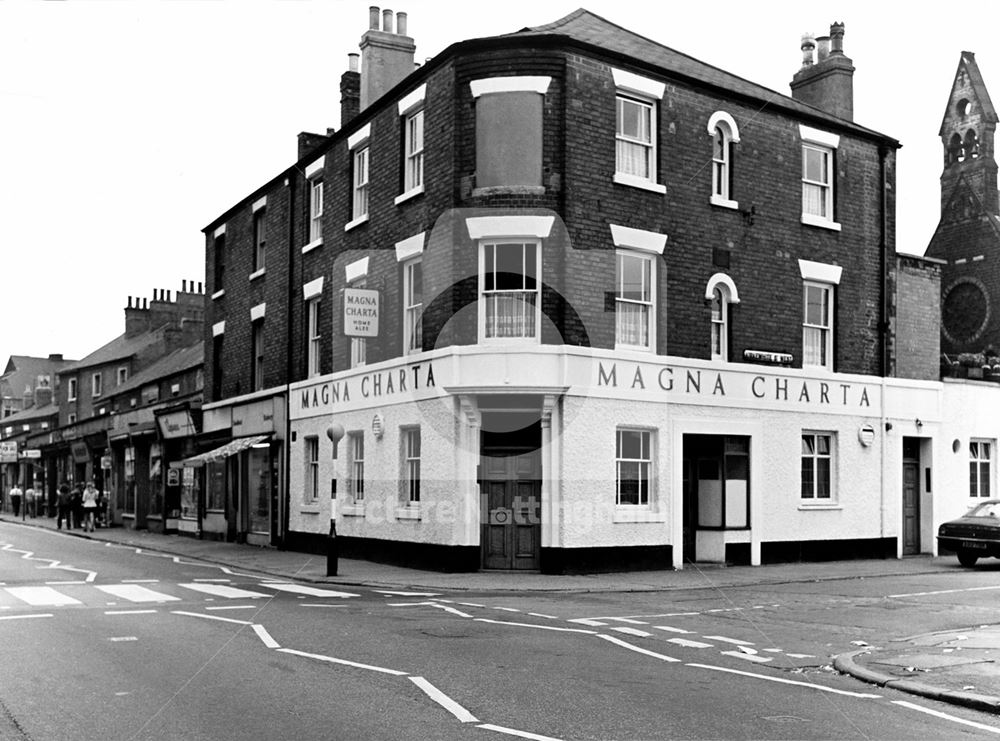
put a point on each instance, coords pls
(387, 21)
(352, 61)
(401, 24)
(129, 303)
(823, 50)
(184, 285)
(373, 14)
(837, 38)
(808, 45)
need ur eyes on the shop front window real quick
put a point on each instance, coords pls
(259, 489)
(190, 487)
(215, 491)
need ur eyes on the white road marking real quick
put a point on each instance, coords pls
(25, 617)
(540, 627)
(748, 657)
(221, 590)
(637, 649)
(669, 629)
(588, 621)
(408, 604)
(780, 680)
(136, 593)
(265, 636)
(212, 617)
(507, 609)
(310, 591)
(325, 604)
(778, 651)
(730, 640)
(123, 639)
(216, 581)
(470, 604)
(39, 596)
(543, 615)
(945, 716)
(345, 662)
(688, 643)
(129, 612)
(632, 631)
(233, 607)
(943, 591)
(140, 581)
(444, 701)
(627, 620)
(64, 583)
(797, 656)
(405, 594)
(514, 732)
(452, 610)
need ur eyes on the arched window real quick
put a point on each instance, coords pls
(724, 132)
(720, 293)
(971, 144)
(955, 153)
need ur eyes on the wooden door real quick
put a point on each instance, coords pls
(911, 507)
(511, 511)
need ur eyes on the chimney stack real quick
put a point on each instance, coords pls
(350, 91)
(829, 83)
(386, 56)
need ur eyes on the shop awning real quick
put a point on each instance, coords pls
(223, 451)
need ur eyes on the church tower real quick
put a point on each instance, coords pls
(968, 233)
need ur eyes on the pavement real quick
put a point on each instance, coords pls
(956, 666)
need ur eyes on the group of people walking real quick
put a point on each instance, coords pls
(31, 499)
(81, 507)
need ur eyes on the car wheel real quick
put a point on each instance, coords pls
(967, 558)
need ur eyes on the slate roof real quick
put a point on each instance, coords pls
(23, 370)
(167, 366)
(31, 414)
(592, 29)
(120, 348)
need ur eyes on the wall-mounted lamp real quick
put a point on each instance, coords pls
(918, 423)
(888, 426)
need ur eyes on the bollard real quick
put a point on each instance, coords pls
(331, 550)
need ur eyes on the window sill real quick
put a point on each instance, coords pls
(518, 190)
(412, 192)
(810, 220)
(357, 222)
(257, 274)
(318, 242)
(635, 514)
(805, 506)
(523, 341)
(309, 509)
(635, 182)
(408, 513)
(619, 347)
(716, 200)
(219, 294)
(352, 510)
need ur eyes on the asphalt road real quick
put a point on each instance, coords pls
(99, 641)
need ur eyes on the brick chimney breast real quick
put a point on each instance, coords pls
(829, 83)
(386, 57)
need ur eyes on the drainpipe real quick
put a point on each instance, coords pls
(883, 331)
(286, 463)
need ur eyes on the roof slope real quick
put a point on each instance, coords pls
(589, 28)
(119, 348)
(167, 366)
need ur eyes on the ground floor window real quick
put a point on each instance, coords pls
(356, 466)
(411, 466)
(633, 464)
(190, 490)
(259, 489)
(311, 489)
(980, 455)
(817, 463)
(215, 485)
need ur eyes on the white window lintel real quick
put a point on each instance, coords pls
(360, 136)
(820, 272)
(413, 99)
(818, 136)
(356, 270)
(258, 311)
(312, 289)
(219, 328)
(410, 247)
(517, 84)
(734, 296)
(724, 118)
(638, 239)
(219, 232)
(315, 167)
(484, 227)
(633, 83)
(259, 204)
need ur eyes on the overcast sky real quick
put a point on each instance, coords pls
(126, 127)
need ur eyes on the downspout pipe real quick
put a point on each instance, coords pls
(289, 363)
(883, 326)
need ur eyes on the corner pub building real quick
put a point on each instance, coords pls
(632, 311)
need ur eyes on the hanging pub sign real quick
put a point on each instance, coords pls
(8, 451)
(81, 453)
(361, 312)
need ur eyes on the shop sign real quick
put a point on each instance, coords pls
(360, 312)
(173, 477)
(81, 453)
(253, 419)
(105, 462)
(415, 381)
(31, 453)
(8, 451)
(766, 356)
(176, 424)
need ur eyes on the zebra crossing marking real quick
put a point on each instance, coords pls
(222, 590)
(42, 596)
(135, 593)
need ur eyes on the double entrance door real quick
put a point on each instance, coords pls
(510, 497)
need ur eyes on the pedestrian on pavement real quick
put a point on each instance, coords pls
(15, 499)
(76, 506)
(63, 506)
(29, 501)
(89, 504)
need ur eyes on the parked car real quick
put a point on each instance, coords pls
(975, 535)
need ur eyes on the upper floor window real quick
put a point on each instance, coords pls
(217, 366)
(636, 130)
(313, 337)
(413, 169)
(724, 132)
(257, 355)
(509, 122)
(360, 188)
(315, 209)
(720, 293)
(121, 375)
(219, 259)
(818, 281)
(96, 384)
(635, 295)
(413, 304)
(509, 289)
(818, 177)
(71, 390)
(980, 455)
(260, 238)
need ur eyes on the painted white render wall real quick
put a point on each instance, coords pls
(971, 411)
